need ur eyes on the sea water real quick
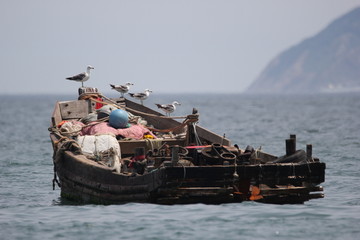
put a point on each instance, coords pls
(30, 209)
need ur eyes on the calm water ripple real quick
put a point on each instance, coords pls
(30, 209)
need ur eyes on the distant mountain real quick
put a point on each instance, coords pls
(329, 61)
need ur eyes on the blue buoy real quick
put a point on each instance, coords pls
(118, 118)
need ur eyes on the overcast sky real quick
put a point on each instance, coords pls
(203, 46)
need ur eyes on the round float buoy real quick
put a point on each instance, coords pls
(118, 118)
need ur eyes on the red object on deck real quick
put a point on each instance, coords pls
(99, 105)
(196, 147)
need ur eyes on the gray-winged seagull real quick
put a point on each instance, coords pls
(168, 108)
(141, 96)
(121, 88)
(82, 77)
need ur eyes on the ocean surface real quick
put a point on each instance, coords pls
(30, 209)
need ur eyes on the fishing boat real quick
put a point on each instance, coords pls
(175, 161)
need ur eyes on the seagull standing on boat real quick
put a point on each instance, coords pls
(141, 96)
(168, 108)
(82, 77)
(121, 88)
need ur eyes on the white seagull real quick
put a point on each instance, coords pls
(168, 108)
(82, 77)
(121, 88)
(141, 96)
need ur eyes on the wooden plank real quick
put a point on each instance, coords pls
(127, 147)
(195, 191)
(56, 116)
(212, 137)
(265, 190)
(84, 194)
(119, 101)
(159, 123)
(74, 109)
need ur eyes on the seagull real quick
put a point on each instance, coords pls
(121, 88)
(82, 77)
(168, 108)
(141, 96)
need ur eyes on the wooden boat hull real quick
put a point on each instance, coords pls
(88, 182)
(221, 175)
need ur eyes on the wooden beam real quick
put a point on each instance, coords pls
(212, 137)
(56, 116)
(74, 109)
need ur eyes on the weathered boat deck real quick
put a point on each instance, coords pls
(234, 177)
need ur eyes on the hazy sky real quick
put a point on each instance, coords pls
(167, 46)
